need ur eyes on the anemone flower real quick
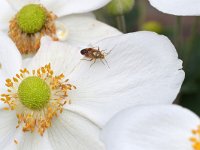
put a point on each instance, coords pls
(26, 21)
(153, 127)
(59, 101)
(178, 7)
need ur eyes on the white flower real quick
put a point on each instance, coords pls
(153, 127)
(178, 7)
(144, 69)
(52, 18)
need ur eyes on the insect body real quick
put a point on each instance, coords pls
(94, 54)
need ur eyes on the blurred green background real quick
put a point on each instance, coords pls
(184, 32)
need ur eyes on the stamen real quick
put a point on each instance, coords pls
(16, 142)
(196, 139)
(32, 119)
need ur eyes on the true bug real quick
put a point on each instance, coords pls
(94, 54)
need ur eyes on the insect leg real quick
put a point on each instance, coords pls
(93, 63)
(102, 61)
(106, 63)
(86, 59)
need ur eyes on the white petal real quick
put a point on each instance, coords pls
(10, 58)
(8, 124)
(63, 57)
(178, 7)
(25, 141)
(151, 127)
(18, 4)
(144, 69)
(6, 14)
(3, 88)
(84, 30)
(2, 80)
(26, 59)
(66, 7)
(34, 141)
(73, 132)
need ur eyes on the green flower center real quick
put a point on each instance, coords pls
(31, 18)
(34, 93)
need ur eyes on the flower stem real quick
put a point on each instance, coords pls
(121, 23)
(178, 33)
(194, 33)
(142, 7)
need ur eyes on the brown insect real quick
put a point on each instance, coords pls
(94, 55)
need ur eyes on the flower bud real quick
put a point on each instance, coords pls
(120, 7)
(152, 26)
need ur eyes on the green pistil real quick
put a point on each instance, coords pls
(34, 93)
(31, 18)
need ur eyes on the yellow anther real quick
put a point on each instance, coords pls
(16, 142)
(15, 79)
(6, 108)
(196, 139)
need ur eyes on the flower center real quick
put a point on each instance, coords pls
(37, 97)
(31, 18)
(34, 93)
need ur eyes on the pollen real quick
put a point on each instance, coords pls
(37, 97)
(29, 25)
(196, 139)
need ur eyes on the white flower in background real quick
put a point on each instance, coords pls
(28, 20)
(68, 102)
(153, 127)
(178, 7)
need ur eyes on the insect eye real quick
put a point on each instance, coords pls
(83, 51)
